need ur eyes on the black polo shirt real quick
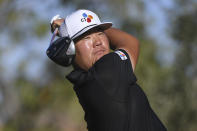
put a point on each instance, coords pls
(111, 98)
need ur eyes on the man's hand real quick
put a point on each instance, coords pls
(56, 21)
(56, 24)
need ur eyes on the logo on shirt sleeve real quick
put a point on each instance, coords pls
(121, 54)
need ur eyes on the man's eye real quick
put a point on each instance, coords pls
(87, 37)
(100, 33)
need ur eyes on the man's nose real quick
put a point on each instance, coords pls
(96, 41)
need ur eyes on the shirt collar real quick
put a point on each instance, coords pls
(79, 76)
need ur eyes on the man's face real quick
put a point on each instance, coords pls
(90, 48)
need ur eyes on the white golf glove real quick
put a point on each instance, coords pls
(62, 32)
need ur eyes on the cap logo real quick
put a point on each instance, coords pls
(86, 17)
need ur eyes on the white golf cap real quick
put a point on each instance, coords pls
(81, 21)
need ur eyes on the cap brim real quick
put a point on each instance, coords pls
(104, 26)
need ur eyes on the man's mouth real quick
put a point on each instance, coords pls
(99, 52)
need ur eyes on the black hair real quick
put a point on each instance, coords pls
(94, 29)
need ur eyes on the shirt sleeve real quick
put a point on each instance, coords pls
(114, 72)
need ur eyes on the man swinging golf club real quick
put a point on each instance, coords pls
(104, 81)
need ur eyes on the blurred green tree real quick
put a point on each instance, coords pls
(183, 113)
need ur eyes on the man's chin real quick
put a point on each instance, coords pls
(99, 56)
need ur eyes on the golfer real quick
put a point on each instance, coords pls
(104, 81)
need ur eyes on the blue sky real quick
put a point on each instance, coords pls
(159, 28)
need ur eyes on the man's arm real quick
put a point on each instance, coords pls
(122, 40)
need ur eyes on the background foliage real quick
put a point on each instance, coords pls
(34, 94)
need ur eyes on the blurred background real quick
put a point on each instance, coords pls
(34, 94)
